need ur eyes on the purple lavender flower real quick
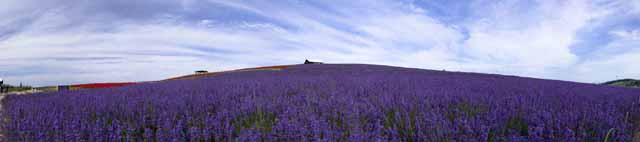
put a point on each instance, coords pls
(330, 103)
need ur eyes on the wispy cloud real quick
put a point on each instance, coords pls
(54, 42)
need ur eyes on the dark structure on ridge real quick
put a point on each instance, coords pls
(201, 72)
(307, 61)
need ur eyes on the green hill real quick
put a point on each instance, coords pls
(624, 83)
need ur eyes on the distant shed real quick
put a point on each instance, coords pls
(201, 72)
(307, 61)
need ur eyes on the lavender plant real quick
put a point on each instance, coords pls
(330, 103)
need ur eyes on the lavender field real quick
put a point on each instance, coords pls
(328, 102)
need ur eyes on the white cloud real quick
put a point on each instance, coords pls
(411, 29)
(617, 60)
(627, 34)
(613, 67)
(533, 44)
(510, 37)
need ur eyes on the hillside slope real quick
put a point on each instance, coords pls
(624, 83)
(331, 102)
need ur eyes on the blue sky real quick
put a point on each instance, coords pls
(80, 41)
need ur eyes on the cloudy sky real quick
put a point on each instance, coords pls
(79, 41)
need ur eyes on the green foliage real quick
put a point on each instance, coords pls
(390, 119)
(624, 83)
(12, 88)
(464, 109)
(406, 130)
(337, 122)
(515, 124)
(492, 136)
(518, 124)
(259, 119)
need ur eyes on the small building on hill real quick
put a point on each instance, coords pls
(201, 72)
(307, 61)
